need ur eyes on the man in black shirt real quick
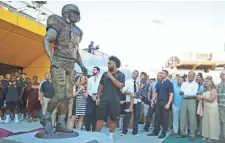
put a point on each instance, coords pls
(46, 94)
(6, 81)
(164, 97)
(12, 100)
(1, 97)
(108, 96)
(23, 101)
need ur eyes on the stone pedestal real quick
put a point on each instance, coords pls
(84, 137)
(57, 135)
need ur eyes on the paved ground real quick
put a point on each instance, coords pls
(129, 138)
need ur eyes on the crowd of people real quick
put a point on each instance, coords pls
(196, 104)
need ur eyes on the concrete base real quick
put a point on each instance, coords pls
(84, 137)
(27, 127)
(23, 126)
(57, 135)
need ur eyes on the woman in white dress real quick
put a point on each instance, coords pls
(210, 119)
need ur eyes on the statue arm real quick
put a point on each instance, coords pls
(78, 59)
(49, 38)
(53, 29)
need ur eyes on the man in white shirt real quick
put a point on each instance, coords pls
(93, 83)
(129, 90)
(189, 91)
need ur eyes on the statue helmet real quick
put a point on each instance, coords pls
(70, 8)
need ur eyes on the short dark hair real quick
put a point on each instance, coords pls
(98, 69)
(7, 73)
(200, 74)
(152, 79)
(116, 60)
(35, 76)
(167, 73)
(136, 71)
(183, 78)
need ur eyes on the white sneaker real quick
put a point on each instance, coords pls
(6, 121)
(21, 118)
(16, 121)
(110, 137)
(1, 121)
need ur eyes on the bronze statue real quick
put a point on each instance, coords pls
(66, 37)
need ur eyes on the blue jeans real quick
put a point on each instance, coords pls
(151, 111)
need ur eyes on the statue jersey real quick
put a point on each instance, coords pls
(68, 37)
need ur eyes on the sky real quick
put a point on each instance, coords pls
(126, 29)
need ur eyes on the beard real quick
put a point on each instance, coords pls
(111, 70)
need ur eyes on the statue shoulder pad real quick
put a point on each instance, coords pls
(80, 31)
(55, 22)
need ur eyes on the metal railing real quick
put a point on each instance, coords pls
(23, 14)
(98, 53)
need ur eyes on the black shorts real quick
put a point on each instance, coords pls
(107, 109)
(1, 104)
(12, 104)
(23, 103)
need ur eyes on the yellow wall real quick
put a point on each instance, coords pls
(38, 68)
(21, 44)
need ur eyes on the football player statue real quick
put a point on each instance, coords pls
(66, 36)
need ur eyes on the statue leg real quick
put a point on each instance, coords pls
(59, 81)
(63, 105)
(70, 121)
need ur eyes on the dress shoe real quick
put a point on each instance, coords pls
(162, 136)
(152, 134)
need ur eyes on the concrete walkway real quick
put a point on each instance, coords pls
(129, 138)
